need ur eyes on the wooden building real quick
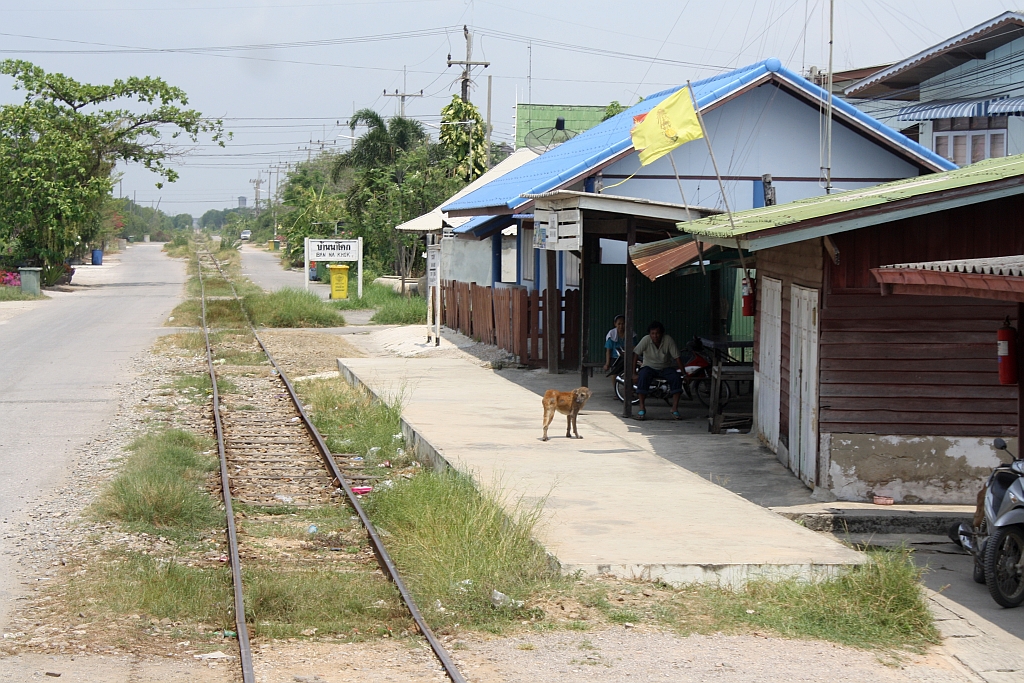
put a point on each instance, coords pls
(863, 394)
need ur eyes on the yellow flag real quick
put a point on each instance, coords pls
(670, 124)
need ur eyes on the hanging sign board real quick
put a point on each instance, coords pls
(433, 265)
(558, 229)
(333, 250)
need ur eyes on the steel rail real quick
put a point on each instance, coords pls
(244, 648)
(384, 560)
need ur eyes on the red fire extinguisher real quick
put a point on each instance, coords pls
(1007, 352)
(749, 297)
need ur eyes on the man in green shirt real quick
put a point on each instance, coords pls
(660, 359)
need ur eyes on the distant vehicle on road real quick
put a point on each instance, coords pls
(246, 235)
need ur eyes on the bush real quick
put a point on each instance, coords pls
(402, 311)
(291, 308)
(160, 484)
(455, 545)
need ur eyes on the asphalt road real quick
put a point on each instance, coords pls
(264, 268)
(62, 359)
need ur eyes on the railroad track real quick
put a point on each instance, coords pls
(274, 456)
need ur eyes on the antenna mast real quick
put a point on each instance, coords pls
(828, 108)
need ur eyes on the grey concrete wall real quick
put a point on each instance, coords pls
(912, 469)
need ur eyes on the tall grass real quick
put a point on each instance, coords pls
(284, 602)
(878, 604)
(455, 545)
(291, 308)
(140, 584)
(375, 295)
(353, 422)
(160, 484)
(392, 308)
(402, 311)
(15, 294)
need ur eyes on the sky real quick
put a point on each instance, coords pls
(285, 75)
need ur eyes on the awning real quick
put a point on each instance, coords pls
(999, 278)
(928, 111)
(661, 258)
(482, 227)
(655, 259)
(1006, 107)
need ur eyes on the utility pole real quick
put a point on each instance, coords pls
(488, 129)
(467, 66)
(257, 182)
(403, 94)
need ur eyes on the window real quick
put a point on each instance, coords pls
(966, 140)
(526, 245)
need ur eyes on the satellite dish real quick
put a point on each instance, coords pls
(542, 140)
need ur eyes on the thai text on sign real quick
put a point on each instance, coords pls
(333, 250)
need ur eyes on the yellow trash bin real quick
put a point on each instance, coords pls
(339, 281)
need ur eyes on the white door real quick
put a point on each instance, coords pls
(803, 384)
(770, 363)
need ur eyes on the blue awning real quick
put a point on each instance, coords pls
(928, 111)
(1005, 107)
(482, 227)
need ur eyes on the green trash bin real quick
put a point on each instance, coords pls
(30, 280)
(322, 274)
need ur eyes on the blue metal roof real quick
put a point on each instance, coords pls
(480, 227)
(574, 158)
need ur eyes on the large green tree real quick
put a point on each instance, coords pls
(60, 146)
(464, 135)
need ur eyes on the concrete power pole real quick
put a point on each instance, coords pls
(403, 94)
(467, 66)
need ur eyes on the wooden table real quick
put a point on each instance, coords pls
(720, 371)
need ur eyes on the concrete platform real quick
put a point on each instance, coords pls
(611, 505)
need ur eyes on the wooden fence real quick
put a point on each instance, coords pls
(513, 319)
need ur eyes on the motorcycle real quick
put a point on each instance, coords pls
(998, 543)
(696, 381)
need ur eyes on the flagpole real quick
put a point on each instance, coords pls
(700, 246)
(721, 186)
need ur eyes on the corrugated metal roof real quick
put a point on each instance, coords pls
(664, 256)
(627, 206)
(1005, 265)
(943, 110)
(957, 50)
(572, 160)
(435, 220)
(832, 211)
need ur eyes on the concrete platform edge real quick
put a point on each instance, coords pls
(728, 575)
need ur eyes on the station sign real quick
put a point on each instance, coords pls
(332, 250)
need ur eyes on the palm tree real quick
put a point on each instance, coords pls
(382, 144)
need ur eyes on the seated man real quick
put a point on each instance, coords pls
(660, 359)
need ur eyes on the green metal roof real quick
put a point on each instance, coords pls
(816, 216)
(578, 117)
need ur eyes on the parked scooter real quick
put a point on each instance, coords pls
(696, 381)
(998, 543)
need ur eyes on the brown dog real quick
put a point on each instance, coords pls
(568, 403)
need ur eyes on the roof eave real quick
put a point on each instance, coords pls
(863, 88)
(885, 212)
